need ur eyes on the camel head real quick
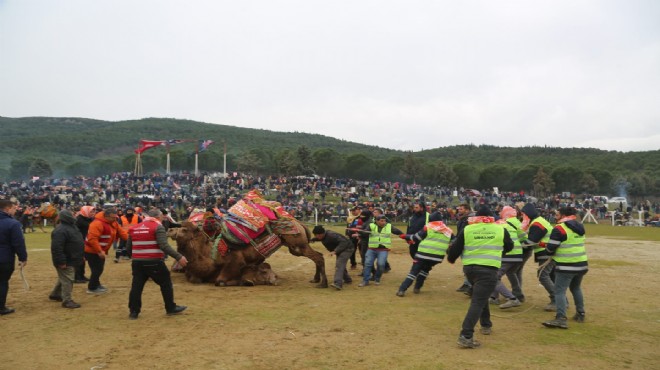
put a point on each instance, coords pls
(262, 274)
(186, 238)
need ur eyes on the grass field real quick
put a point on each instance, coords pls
(296, 326)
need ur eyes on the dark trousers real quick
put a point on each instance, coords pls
(483, 280)
(355, 249)
(158, 272)
(80, 271)
(121, 250)
(418, 273)
(341, 275)
(6, 269)
(96, 266)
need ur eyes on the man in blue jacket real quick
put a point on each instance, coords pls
(12, 244)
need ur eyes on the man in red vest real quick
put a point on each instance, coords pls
(147, 243)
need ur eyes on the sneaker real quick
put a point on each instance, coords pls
(338, 287)
(416, 290)
(494, 301)
(363, 283)
(377, 282)
(400, 293)
(177, 310)
(116, 260)
(486, 330)
(55, 298)
(348, 281)
(521, 298)
(70, 304)
(510, 303)
(550, 307)
(468, 292)
(579, 317)
(468, 342)
(133, 316)
(126, 258)
(463, 288)
(556, 323)
(99, 290)
(80, 281)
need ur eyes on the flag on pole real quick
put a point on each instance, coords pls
(148, 144)
(204, 144)
(175, 141)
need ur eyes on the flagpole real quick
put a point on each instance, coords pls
(224, 160)
(167, 169)
(196, 161)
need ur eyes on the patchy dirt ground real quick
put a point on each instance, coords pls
(297, 326)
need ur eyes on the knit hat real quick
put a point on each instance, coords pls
(484, 211)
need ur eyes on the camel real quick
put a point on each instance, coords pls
(239, 262)
(46, 212)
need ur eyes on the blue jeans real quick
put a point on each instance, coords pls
(381, 257)
(563, 281)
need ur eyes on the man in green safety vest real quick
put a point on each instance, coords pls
(432, 241)
(379, 244)
(480, 245)
(566, 246)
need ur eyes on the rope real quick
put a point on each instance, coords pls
(26, 285)
(515, 314)
(542, 266)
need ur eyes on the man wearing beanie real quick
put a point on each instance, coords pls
(339, 246)
(480, 245)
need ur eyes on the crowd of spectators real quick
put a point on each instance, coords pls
(308, 198)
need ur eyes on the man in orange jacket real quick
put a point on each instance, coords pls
(102, 233)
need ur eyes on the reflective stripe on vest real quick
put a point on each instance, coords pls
(434, 246)
(546, 237)
(104, 238)
(143, 239)
(380, 238)
(515, 255)
(570, 251)
(483, 245)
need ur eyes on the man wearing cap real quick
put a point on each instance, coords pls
(480, 245)
(147, 244)
(103, 231)
(378, 242)
(339, 246)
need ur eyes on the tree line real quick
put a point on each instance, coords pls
(39, 146)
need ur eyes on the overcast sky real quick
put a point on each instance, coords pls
(406, 75)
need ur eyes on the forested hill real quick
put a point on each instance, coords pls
(74, 146)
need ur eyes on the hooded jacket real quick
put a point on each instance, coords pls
(67, 243)
(100, 226)
(12, 243)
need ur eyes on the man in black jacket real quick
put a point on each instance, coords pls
(417, 221)
(66, 247)
(340, 246)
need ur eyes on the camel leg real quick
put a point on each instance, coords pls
(231, 271)
(316, 257)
